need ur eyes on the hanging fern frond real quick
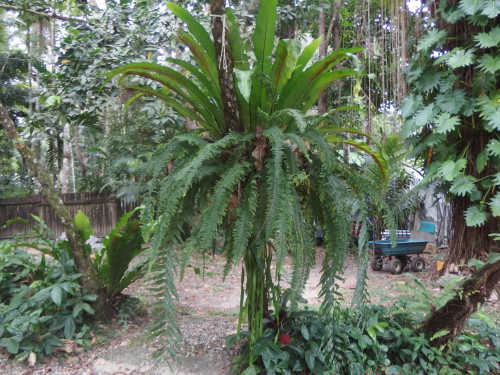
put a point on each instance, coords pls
(243, 225)
(212, 216)
(162, 283)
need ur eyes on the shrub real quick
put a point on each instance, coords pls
(371, 341)
(41, 303)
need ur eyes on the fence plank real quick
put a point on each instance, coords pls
(102, 209)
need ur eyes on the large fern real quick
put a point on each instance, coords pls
(259, 183)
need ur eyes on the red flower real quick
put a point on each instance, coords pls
(285, 339)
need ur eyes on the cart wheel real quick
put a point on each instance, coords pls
(376, 264)
(404, 261)
(395, 266)
(417, 264)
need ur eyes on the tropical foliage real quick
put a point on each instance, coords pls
(41, 303)
(452, 117)
(257, 178)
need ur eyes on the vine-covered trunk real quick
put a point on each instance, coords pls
(469, 242)
(89, 279)
(452, 316)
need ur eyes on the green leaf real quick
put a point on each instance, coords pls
(491, 8)
(433, 37)
(488, 40)
(285, 58)
(194, 28)
(431, 79)
(310, 359)
(424, 116)
(69, 327)
(489, 64)
(470, 7)
(475, 216)
(439, 334)
(463, 185)
(492, 258)
(490, 111)
(82, 222)
(450, 169)
(496, 179)
(263, 37)
(452, 101)
(244, 82)
(304, 331)
(459, 57)
(252, 370)
(11, 344)
(236, 43)
(56, 295)
(495, 204)
(307, 53)
(446, 123)
(493, 147)
(410, 104)
(482, 161)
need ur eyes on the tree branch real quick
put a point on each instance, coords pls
(41, 14)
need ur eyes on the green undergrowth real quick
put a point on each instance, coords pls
(373, 339)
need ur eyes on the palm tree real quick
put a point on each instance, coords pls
(258, 167)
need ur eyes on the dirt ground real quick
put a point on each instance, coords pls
(207, 313)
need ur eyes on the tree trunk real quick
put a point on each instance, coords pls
(453, 315)
(287, 27)
(89, 280)
(224, 66)
(65, 172)
(322, 54)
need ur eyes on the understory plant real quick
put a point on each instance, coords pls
(41, 299)
(41, 303)
(371, 340)
(258, 169)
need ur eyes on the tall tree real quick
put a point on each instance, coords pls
(83, 263)
(453, 118)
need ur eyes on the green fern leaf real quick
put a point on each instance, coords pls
(214, 213)
(244, 223)
(495, 204)
(433, 37)
(493, 147)
(446, 123)
(471, 7)
(489, 64)
(275, 178)
(459, 57)
(488, 40)
(463, 185)
(475, 216)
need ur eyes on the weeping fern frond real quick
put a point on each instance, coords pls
(303, 257)
(214, 213)
(243, 225)
(275, 177)
(162, 282)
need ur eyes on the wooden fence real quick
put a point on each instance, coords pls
(102, 210)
